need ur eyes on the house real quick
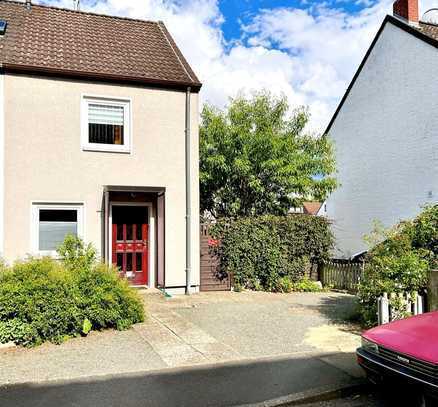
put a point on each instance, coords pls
(385, 130)
(314, 208)
(99, 138)
(311, 208)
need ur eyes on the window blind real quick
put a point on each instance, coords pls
(105, 114)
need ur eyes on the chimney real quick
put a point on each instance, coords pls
(406, 10)
(28, 4)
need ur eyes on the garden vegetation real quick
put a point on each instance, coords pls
(256, 158)
(399, 260)
(272, 253)
(42, 299)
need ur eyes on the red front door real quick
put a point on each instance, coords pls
(130, 242)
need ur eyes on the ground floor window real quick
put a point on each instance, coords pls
(51, 223)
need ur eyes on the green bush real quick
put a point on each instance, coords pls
(48, 300)
(307, 286)
(399, 260)
(260, 251)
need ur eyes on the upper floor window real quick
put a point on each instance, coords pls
(106, 124)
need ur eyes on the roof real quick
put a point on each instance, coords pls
(312, 208)
(59, 41)
(431, 30)
(425, 32)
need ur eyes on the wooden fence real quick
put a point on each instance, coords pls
(341, 276)
(211, 277)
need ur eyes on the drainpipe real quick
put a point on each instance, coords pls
(188, 198)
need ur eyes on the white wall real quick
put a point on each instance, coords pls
(386, 137)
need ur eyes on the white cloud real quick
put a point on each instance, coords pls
(308, 54)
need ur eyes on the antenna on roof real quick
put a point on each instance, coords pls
(77, 5)
(28, 4)
(430, 16)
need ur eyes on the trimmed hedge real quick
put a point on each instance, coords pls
(261, 252)
(48, 300)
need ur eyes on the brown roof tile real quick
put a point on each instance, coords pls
(54, 40)
(311, 208)
(431, 30)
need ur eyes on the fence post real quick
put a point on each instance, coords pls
(432, 290)
(383, 309)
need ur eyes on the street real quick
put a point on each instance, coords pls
(375, 397)
(212, 385)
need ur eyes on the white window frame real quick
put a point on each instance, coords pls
(126, 103)
(35, 220)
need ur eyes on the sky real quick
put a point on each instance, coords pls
(307, 50)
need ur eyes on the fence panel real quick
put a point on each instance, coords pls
(211, 278)
(341, 276)
(393, 307)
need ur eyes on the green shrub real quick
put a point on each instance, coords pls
(285, 284)
(48, 300)
(260, 251)
(15, 330)
(399, 261)
(306, 286)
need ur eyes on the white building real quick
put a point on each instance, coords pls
(386, 130)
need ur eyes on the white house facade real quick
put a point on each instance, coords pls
(386, 133)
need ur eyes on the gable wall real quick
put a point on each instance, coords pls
(386, 137)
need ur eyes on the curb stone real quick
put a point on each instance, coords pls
(324, 393)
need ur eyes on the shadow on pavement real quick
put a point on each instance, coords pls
(339, 309)
(223, 385)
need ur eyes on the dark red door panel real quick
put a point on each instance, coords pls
(130, 251)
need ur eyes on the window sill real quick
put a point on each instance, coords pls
(106, 149)
(46, 253)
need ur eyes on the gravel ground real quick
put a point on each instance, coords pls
(206, 328)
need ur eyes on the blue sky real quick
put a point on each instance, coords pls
(307, 50)
(237, 12)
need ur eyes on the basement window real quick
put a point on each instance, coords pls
(106, 124)
(51, 223)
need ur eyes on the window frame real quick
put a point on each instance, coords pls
(35, 220)
(126, 103)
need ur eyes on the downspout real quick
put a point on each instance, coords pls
(188, 197)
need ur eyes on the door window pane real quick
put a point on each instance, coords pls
(54, 226)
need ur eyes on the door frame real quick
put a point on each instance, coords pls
(151, 236)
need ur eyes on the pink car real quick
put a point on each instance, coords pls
(405, 350)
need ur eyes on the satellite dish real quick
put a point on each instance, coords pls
(430, 16)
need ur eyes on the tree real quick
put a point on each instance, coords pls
(256, 158)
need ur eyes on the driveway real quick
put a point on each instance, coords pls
(236, 330)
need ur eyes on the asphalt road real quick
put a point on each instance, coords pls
(375, 397)
(225, 385)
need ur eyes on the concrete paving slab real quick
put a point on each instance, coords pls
(107, 352)
(343, 362)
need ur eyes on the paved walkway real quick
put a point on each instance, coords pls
(199, 330)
